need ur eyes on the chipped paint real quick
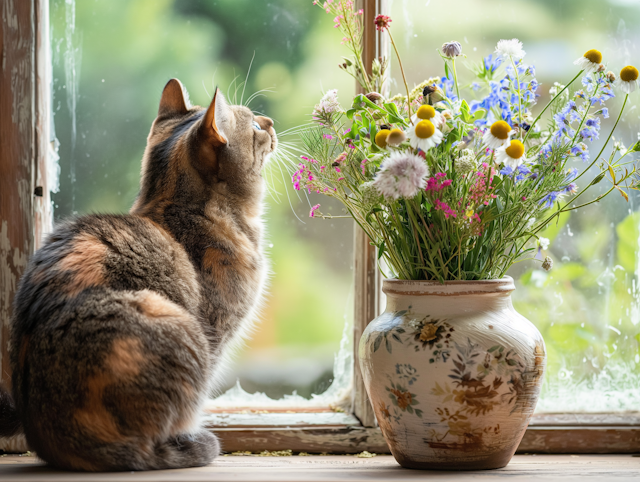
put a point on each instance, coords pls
(12, 263)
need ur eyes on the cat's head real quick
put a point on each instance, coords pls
(193, 152)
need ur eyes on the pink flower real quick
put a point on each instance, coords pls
(433, 183)
(382, 21)
(340, 158)
(312, 213)
(444, 207)
(327, 136)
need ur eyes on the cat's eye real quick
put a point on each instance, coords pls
(256, 126)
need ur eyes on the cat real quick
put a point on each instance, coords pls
(121, 323)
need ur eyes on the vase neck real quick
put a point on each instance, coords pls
(452, 303)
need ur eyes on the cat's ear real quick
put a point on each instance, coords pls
(174, 100)
(216, 119)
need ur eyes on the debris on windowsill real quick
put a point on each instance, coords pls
(276, 453)
(365, 455)
(264, 453)
(336, 408)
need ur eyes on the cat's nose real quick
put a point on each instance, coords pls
(265, 122)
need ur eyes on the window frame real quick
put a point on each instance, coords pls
(26, 213)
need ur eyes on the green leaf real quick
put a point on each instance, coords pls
(381, 249)
(635, 147)
(393, 114)
(465, 112)
(479, 114)
(598, 178)
(350, 113)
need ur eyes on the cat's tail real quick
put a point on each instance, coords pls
(9, 421)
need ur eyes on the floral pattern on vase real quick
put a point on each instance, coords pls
(445, 395)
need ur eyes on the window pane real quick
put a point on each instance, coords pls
(587, 307)
(111, 60)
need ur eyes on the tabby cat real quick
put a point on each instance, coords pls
(121, 322)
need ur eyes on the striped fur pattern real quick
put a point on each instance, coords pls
(121, 321)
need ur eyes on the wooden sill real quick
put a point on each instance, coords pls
(597, 468)
(330, 432)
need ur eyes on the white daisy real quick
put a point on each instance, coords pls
(590, 61)
(511, 48)
(498, 135)
(511, 155)
(424, 135)
(402, 174)
(427, 112)
(628, 80)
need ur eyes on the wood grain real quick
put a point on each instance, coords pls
(344, 468)
(17, 138)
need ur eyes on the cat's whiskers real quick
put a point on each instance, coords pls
(256, 94)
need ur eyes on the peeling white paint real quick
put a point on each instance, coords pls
(12, 261)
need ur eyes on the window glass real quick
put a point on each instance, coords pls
(111, 60)
(588, 306)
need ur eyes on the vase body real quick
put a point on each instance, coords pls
(453, 373)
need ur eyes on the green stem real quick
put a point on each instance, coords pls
(455, 76)
(547, 106)
(515, 69)
(404, 79)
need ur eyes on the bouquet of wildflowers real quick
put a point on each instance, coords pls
(453, 189)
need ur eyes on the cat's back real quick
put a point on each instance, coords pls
(104, 252)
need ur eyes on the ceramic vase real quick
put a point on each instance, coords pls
(453, 373)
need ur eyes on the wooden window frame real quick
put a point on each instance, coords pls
(25, 214)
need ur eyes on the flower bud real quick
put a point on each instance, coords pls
(547, 264)
(611, 77)
(600, 68)
(373, 96)
(395, 137)
(452, 49)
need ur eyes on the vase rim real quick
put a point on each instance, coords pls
(392, 286)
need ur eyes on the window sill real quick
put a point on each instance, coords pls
(345, 467)
(331, 432)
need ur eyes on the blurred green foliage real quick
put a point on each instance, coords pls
(124, 52)
(587, 307)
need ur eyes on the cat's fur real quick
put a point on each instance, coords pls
(121, 321)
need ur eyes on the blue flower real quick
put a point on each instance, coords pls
(475, 86)
(492, 62)
(592, 130)
(518, 174)
(448, 87)
(580, 150)
(551, 198)
(571, 174)
(604, 112)
(506, 171)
